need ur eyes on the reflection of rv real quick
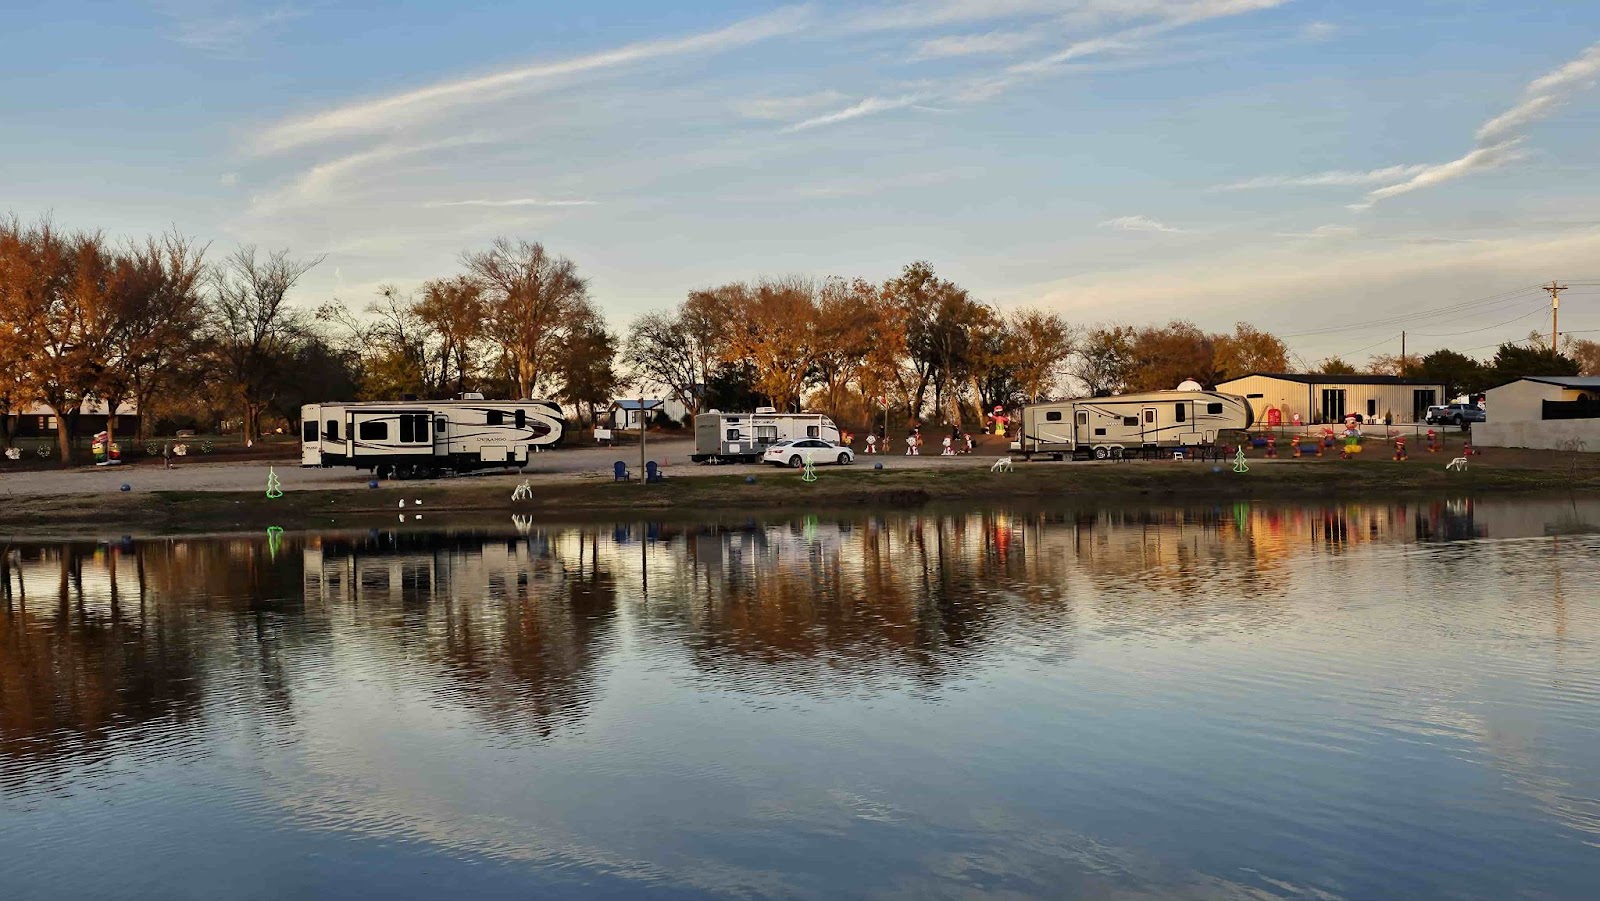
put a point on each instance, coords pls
(744, 437)
(425, 438)
(1127, 424)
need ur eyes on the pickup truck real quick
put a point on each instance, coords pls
(1455, 414)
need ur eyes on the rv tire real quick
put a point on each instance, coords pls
(1116, 453)
(1100, 453)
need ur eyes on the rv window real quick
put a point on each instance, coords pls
(1099, 431)
(1053, 416)
(373, 430)
(421, 427)
(1150, 417)
(733, 434)
(1213, 409)
(522, 418)
(308, 432)
(1182, 411)
(1255, 396)
(408, 432)
(332, 431)
(1130, 420)
(1083, 417)
(440, 425)
(495, 417)
(812, 431)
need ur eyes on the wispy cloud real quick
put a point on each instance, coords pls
(1337, 178)
(1544, 95)
(319, 184)
(1477, 160)
(857, 187)
(1139, 224)
(868, 107)
(406, 108)
(221, 27)
(780, 108)
(520, 201)
(1323, 232)
(995, 42)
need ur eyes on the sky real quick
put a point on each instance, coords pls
(1331, 171)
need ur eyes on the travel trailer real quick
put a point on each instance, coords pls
(421, 439)
(744, 437)
(1128, 424)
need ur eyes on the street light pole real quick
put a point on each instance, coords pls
(642, 472)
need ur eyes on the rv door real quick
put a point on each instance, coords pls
(441, 436)
(1149, 432)
(1080, 429)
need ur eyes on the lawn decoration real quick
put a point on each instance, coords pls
(1238, 461)
(810, 474)
(274, 487)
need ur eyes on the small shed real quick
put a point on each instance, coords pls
(1550, 412)
(626, 413)
(1326, 398)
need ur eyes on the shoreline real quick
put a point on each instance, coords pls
(774, 492)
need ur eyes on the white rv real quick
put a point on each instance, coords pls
(744, 437)
(1129, 424)
(421, 439)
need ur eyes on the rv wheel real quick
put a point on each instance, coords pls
(1116, 453)
(1100, 453)
(384, 471)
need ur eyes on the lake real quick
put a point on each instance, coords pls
(1360, 700)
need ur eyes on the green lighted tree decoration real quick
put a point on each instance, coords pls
(1238, 461)
(810, 475)
(274, 487)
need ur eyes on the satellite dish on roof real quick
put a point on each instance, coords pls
(1190, 385)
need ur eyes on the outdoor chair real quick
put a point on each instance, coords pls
(619, 471)
(653, 473)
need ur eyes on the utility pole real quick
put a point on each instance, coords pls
(1555, 310)
(642, 472)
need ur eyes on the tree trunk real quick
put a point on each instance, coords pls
(63, 436)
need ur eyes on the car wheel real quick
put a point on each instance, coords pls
(795, 462)
(844, 459)
(1456, 421)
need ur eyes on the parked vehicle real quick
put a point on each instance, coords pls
(745, 437)
(1112, 427)
(421, 439)
(1455, 414)
(792, 452)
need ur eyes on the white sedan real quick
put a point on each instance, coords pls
(792, 452)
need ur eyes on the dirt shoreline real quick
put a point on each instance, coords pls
(773, 492)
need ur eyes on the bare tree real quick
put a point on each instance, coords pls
(533, 303)
(252, 325)
(159, 300)
(664, 350)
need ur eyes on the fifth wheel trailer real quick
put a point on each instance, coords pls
(1103, 427)
(421, 439)
(744, 437)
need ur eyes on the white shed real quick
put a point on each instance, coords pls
(1550, 412)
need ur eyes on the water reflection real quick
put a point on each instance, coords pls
(1012, 699)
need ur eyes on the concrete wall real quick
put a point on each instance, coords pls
(1291, 397)
(1553, 434)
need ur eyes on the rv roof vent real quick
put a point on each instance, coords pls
(1190, 385)
(766, 409)
(472, 395)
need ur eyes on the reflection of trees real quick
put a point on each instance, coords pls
(511, 626)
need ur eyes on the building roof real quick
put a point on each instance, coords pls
(1565, 381)
(1328, 378)
(638, 404)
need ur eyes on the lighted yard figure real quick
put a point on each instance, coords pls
(1238, 461)
(274, 487)
(274, 540)
(810, 474)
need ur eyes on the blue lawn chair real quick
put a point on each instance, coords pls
(652, 472)
(619, 470)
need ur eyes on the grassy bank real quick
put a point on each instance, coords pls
(778, 491)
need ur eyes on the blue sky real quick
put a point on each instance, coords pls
(1298, 164)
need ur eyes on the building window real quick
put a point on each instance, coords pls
(1181, 412)
(1213, 409)
(373, 430)
(1053, 416)
(1372, 407)
(494, 417)
(308, 431)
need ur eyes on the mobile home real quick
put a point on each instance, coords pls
(1127, 424)
(744, 437)
(421, 439)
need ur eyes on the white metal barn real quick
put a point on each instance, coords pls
(744, 437)
(1127, 424)
(421, 439)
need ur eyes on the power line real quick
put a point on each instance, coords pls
(1423, 314)
(1534, 312)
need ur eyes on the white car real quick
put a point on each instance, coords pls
(792, 452)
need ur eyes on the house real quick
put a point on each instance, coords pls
(624, 412)
(39, 421)
(1325, 398)
(1552, 412)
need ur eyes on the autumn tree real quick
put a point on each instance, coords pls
(252, 326)
(1164, 356)
(1393, 364)
(159, 307)
(588, 368)
(1248, 349)
(773, 327)
(1335, 366)
(1104, 361)
(1039, 345)
(935, 312)
(534, 302)
(1585, 353)
(847, 329)
(453, 310)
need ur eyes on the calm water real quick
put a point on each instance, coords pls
(1356, 701)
